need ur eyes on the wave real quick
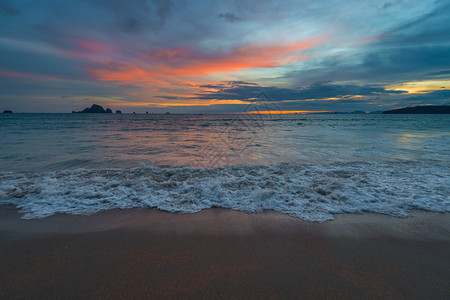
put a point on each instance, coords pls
(309, 192)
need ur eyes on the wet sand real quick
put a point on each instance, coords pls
(217, 253)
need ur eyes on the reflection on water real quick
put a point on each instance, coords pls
(60, 141)
(421, 144)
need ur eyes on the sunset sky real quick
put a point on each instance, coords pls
(216, 56)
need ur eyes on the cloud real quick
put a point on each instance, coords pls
(164, 66)
(131, 25)
(322, 96)
(173, 51)
(446, 72)
(439, 95)
(229, 17)
(27, 76)
(321, 90)
(387, 66)
(7, 9)
(415, 48)
(168, 97)
(135, 16)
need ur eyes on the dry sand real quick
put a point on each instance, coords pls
(219, 253)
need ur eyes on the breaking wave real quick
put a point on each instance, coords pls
(309, 192)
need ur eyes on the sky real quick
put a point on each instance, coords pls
(217, 56)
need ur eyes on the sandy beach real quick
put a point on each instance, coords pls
(217, 253)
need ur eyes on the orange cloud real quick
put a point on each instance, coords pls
(172, 65)
(242, 58)
(124, 74)
(179, 71)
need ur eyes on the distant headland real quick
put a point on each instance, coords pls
(7, 111)
(429, 109)
(94, 109)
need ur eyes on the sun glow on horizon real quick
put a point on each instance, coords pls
(420, 87)
(286, 112)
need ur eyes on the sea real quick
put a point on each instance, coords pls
(310, 166)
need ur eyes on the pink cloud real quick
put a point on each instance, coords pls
(174, 65)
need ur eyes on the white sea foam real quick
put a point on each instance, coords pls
(309, 192)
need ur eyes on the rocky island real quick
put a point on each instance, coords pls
(429, 109)
(96, 109)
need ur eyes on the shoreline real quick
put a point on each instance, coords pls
(223, 253)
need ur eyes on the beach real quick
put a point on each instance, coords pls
(221, 253)
(157, 149)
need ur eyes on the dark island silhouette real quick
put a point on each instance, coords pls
(94, 109)
(7, 111)
(429, 109)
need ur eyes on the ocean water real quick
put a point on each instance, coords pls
(307, 166)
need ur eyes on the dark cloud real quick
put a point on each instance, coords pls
(407, 60)
(447, 72)
(409, 51)
(229, 17)
(228, 84)
(427, 23)
(387, 5)
(131, 25)
(440, 95)
(29, 61)
(7, 9)
(168, 97)
(135, 16)
(245, 91)
(325, 95)
(386, 66)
